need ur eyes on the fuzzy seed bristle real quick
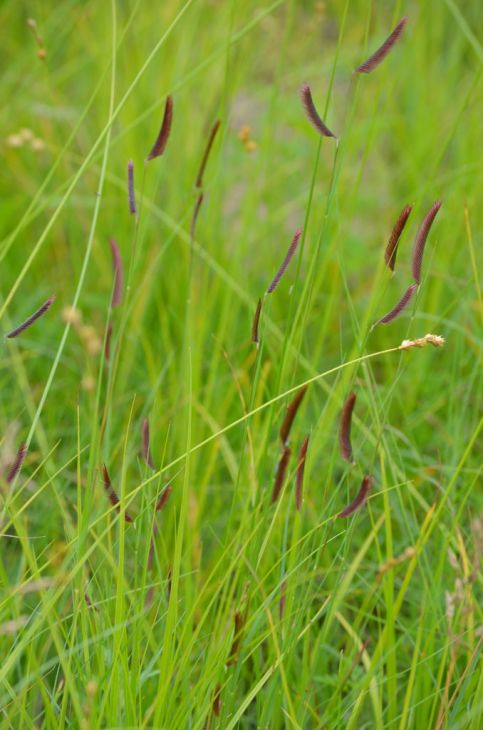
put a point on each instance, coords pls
(345, 428)
(378, 56)
(312, 113)
(392, 246)
(292, 409)
(360, 499)
(290, 253)
(17, 464)
(163, 499)
(421, 238)
(281, 471)
(400, 306)
(163, 136)
(33, 317)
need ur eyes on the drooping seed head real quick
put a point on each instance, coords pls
(421, 238)
(33, 317)
(163, 499)
(290, 253)
(17, 464)
(400, 306)
(163, 136)
(360, 499)
(345, 428)
(312, 113)
(392, 246)
(292, 409)
(378, 56)
(281, 472)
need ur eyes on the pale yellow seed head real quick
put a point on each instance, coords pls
(37, 144)
(14, 140)
(244, 133)
(88, 383)
(72, 316)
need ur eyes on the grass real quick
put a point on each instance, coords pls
(246, 613)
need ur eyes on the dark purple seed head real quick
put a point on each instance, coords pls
(360, 499)
(17, 464)
(33, 317)
(392, 246)
(163, 499)
(381, 53)
(312, 114)
(421, 238)
(292, 409)
(163, 136)
(400, 306)
(281, 471)
(345, 428)
(290, 253)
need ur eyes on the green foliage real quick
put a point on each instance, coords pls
(223, 601)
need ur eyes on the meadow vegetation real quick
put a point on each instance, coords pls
(168, 558)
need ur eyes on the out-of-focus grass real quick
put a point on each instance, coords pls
(381, 624)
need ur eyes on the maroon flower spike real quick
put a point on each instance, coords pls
(360, 499)
(146, 449)
(194, 218)
(130, 188)
(209, 145)
(291, 413)
(290, 253)
(392, 246)
(280, 475)
(420, 241)
(381, 53)
(162, 138)
(33, 317)
(345, 428)
(17, 464)
(400, 306)
(113, 498)
(118, 273)
(312, 114)
(299, 486)
(163, 499)
(256, 322)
